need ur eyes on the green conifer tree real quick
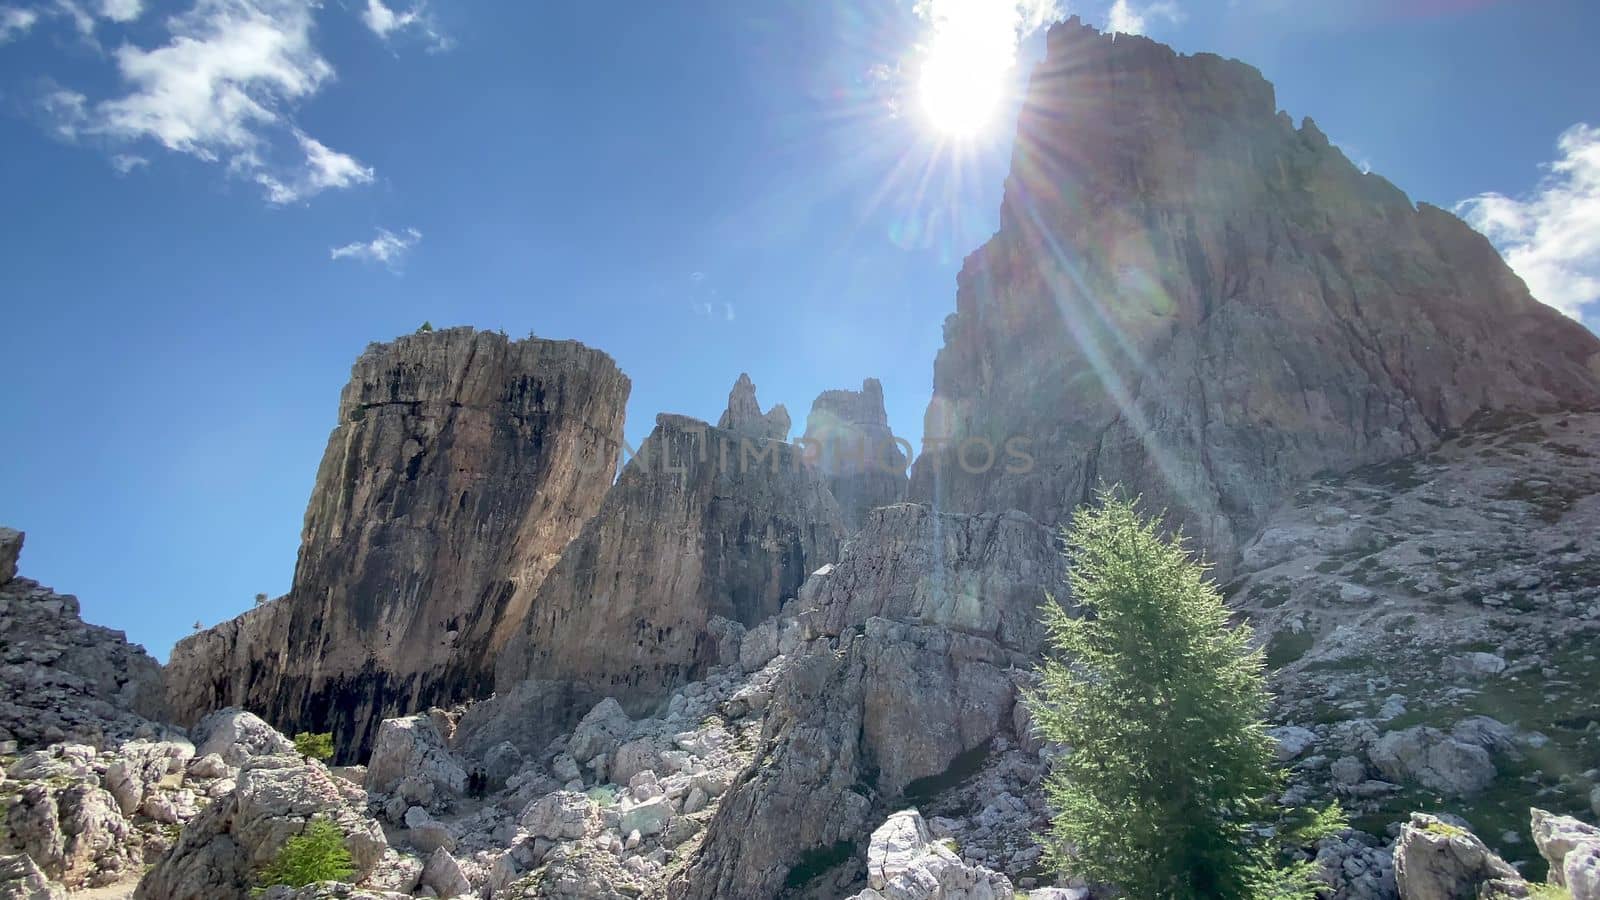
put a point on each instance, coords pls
(1166, 789)
(315, 854)
(314, 745)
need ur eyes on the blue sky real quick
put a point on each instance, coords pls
(215, 205)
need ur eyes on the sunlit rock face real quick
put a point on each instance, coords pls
(704, 522)
(848, 440)
(462, 464)
(1192, 297)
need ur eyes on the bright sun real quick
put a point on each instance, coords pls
(965, 61)
(959, 93)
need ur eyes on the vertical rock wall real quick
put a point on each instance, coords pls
(704, 522)
(462, 464)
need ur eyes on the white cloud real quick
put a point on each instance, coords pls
(385, 22)
(1551, 236)
(15, 22)
(80, 17)
(66, 110)
(324, 169)
(127, 162)
(222, 89)
(121, 10)
(387, 248)
(1125, 18)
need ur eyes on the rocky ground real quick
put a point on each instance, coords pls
(1430, 625)
(1433, 624)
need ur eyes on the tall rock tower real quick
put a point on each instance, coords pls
(704, 522)
(1192, 297)
(848, 439)
(461, 465)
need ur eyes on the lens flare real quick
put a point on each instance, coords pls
(967, 58)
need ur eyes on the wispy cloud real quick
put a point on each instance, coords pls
(1125, 18)
(222, 89)
(122, 10)
(387, 248)
(127, 162)
(15, 22)
(386, 22)
(1551, 236)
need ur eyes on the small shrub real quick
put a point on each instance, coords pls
(424, 328)
(1548, 892)
(315, 746)
(602, 795)
(315, 854)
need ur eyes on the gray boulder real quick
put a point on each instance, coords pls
(1581, 871)
(1558, 838)
(560, 816)
(442, 874)
(21, 879)
(598, 731)
(412, 748)
(236, 736)
(140, 766)
(1434, 860)
(904, 862)
(1428, 757)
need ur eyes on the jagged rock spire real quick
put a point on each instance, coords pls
(744, 415)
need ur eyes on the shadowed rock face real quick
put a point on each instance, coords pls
(1192, 297)
(462, 464)
(704, 522)
(848, 438)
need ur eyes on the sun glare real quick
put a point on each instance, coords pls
(967, 57)
(960, 89)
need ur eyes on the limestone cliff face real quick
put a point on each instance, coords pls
(1191, 296)
(462, 464)
(848, 438)
(918, 635)
(703, 522)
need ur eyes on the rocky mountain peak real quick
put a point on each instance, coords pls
(62, 679)
(1190, 296)
(744, 414)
